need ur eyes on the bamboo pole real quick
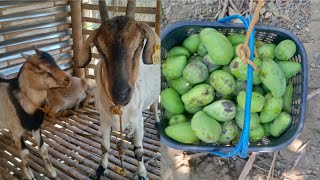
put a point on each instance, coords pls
(5, 174)
(14, 152)
(97, 145)
(158, 17)
(76, 24)
(67, 160)
(148, 149)
(86, 155)
(96, 150)
(35, 162)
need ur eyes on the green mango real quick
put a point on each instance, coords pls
(207, 31)
(222, 110)
(257, 101)
(271, 109)
(168, 114)
(239, 70)
(173, 66)
(267, 51)
(182, 132)
(237, 137)
(235, 51)
(268, 96)
(266, 127)
(289, 68)
(265, 88)
(206, 128)
(257, 133)
(273, 78)
(210, 64)
(223, 82)
(254, 118)
(195, 58)
(180, 85)
(229, 132)
(199, 95)
(179, 51)
(171, 101)
(285, 50)
(258, 89)
(287, 98)
(219, 47)
(192, 43)
(192, 109)
(176, 119)
(226, 68)
(195, 73)
(220, 96)
(280, 124)
(240, 86)
(258, 43)
(202, 50)
(236, 38)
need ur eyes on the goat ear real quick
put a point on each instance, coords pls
(85, 51)
(37, 50)
(26, 56)
(151, 52)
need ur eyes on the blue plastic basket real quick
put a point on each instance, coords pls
(175, 34)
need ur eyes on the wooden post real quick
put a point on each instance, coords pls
(158, 17)
(76, 23)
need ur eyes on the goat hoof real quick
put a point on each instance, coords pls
(54, 177)
(101, 172)
(142, 178)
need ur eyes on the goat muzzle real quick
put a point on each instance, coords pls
(121, 97)
(65, 82)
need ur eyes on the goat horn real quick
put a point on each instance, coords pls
(131, 8)
(38, 51)
(104, 14)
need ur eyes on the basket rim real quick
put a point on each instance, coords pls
(304, 91)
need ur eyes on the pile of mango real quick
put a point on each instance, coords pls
(206, 93)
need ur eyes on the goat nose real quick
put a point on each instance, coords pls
(66, 80)
(122, 95)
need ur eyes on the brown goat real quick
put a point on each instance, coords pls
(79, 93)
(125, 76)
(21, 100)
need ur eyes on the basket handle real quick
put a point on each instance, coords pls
(242, 145)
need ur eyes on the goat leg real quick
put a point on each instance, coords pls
(43, 151)
(105, 148)
(138, 148)
(154, 109)
(24, 155)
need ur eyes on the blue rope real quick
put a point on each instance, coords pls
(242, 146)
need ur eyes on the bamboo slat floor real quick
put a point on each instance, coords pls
(74, 149)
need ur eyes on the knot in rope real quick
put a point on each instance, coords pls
(116, 110)
(47, 111)
(243, 51)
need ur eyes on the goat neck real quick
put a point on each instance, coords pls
(30, 99)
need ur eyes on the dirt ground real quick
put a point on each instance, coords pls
(301, 17)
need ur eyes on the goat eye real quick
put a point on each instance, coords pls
(141, 42)
(50, 75)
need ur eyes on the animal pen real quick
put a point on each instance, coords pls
(59, 27)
